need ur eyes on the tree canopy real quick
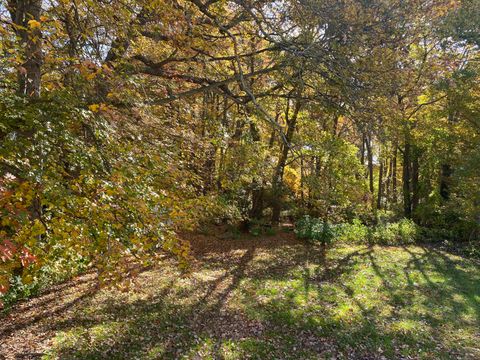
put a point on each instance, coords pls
(124, 123)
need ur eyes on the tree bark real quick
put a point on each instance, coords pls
(407, 201)
(380, 186)
(221, 161)
(415, 178)
(30, 38)
(445, 175)
(446, 171)
(388, 185)
(282, 160)
(394, 175)
(362, 150)
(370, 163)
(26, 15)
(256, 211)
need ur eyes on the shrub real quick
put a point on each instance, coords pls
(404, 231)
(352, 233)
(52, 272)
(401, 232)
(258, 227)
(386, 216)
(315, 230)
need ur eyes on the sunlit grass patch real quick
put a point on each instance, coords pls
(301, 303)
(388, 298)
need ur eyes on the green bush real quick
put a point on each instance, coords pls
(315, 230)
(385, 216)
(258, 227)
(401, 232)
(50, 273)
(385, 232)
(356, 232)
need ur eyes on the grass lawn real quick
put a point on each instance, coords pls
(264, 298)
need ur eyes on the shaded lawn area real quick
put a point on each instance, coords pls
(264, 298)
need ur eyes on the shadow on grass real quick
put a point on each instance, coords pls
(288, 300)
(458, 286)
(47, 305)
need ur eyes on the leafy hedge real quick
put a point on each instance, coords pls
(316, 230)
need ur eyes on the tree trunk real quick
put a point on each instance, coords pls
(445, 175)
(209, 169)
(362, 150)
(370, 163)
(30, 37)
(277, 183)
(446, 171)
(302, 181)
(221, 161)
(388, 186)
(26, 15)
(415, 176)
(256, 211)
(380, 186)
(394, 175)
(407, 201)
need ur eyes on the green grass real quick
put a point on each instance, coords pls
(288, 301)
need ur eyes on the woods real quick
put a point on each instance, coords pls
(125, 125)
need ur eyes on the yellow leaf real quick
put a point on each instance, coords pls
(34, 24)
(27, 279)
(90, 76)
(37, 228)
(423, 99)
(94, 107)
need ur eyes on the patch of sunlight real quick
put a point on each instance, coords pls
(386, 311)
(255, 348)
(437, 278)
(70, 338)
(203, 349)
(459, 298)
(469, 315)
(363, 281)
(462, 336)
(101, 333)
(155, 352)
(264, 256)
(347, 312)
(346, 250)
(305, 298)
(230, 350)
(407, 326)
(238, 252)
(80, 337)
(414, 277)
(267, 292)
(207, 274)
(278, 287)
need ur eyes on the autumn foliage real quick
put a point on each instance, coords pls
(125, 123)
